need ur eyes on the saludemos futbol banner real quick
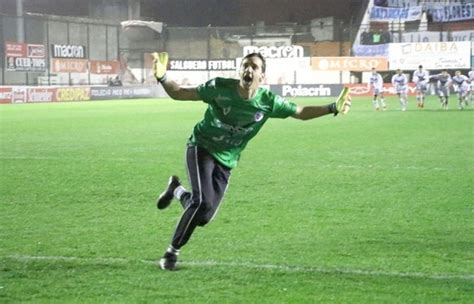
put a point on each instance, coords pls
(306, 90)
(22, 57)
(202, 65)
(452, 12)
(432, 55)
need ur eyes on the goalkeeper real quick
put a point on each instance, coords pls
(237, 109)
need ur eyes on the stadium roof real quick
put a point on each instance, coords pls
(199, 12)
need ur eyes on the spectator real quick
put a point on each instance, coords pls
(366, 38)
(386, 37)
(115, 82)
(376, 37)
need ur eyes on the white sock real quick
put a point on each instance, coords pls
(172, 250)
(178, 192)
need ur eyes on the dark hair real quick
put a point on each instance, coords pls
(264, 65)
(420, 66)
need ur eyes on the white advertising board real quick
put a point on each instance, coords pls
(432, 55)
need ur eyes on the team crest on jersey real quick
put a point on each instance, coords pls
(258, 116)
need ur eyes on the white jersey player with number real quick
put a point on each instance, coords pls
(421, 79)
(400, 83)
(461, 87)
(376, 85)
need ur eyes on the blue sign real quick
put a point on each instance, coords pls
(452, 12)
(395, 13)
(370, 50)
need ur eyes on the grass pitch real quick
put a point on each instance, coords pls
(372, 207)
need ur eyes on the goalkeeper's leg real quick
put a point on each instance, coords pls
(209, 181)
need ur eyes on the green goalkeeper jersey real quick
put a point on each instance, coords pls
(231, 121)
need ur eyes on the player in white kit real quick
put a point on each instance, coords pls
(461, 87)
(443, 83)
(471, 80)
(376, 85)
(421, 78)
(400, 83)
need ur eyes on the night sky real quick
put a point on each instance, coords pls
(206, 12)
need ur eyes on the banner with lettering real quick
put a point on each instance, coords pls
(361, 89)
(452, 12)
(6, 94)
(69, 65)
(306, 90)
(68, 51)
(429, 36)
(402, 3)
(432, 55)
(411, 13)
(202, 65)
(370, 50)
(104, 67)
(349, 63)
(22, 57)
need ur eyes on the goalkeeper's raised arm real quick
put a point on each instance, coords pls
(174, 90)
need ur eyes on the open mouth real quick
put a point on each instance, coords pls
(247, 79)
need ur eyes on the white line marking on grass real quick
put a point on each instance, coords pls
(88, 159)
(157, 160)
(284, 268)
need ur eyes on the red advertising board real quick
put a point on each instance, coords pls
(6, 95)
(15, 49)
(361, 89)
(349, 63)
(22, 57)
(19, 94)
(68, 65)
(41, 94)
(104, 67)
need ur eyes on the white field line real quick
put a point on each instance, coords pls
(330, 166)
(52, 158)
(283, 268)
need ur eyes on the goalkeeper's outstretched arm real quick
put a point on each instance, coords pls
(342, 105)
(174, 90)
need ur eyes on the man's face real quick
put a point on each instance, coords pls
(251, 74)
